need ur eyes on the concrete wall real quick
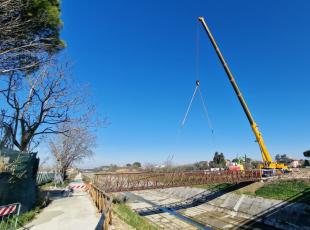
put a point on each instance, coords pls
(277, 213)
(280, 214)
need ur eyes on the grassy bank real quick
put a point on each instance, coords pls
(293, 190)
(286, 190)
(132, 218)
(28, 216)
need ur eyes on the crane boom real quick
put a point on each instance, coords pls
(265, 154)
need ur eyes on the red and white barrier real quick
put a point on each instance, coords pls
(8, 212)
(8, 209)
(77, 186)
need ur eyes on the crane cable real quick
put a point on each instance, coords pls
(204, 107)
(189, 106)
(206, 111)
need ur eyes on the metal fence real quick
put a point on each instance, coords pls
(9, 216)
(45, 177)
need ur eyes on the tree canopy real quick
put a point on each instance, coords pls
(136, 165)
(283, 159)
(29, 33)
(219, 160)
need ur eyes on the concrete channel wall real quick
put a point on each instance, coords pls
(277, 213)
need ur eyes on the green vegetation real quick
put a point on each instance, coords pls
(28, 216)
(22, 220)
(218, 161)
(136, 165)
(132, 218)
(283, 159)
(47, 185)
(35, 35)
(213, 187)
(286, 190)
(52, 184)
(86, 179)
(295, 190)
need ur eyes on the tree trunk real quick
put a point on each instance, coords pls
(64, 173)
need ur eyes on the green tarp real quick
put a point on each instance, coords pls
(18, 178)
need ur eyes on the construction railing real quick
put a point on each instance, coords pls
(120, 182)
(9, 216)
(103, 202)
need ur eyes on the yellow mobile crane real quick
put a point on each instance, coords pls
(268, 162)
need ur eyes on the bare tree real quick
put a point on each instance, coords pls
(43, 162)
(37, 104)
(168, 163)
(76, 145)
(5, 137)
(149, 167)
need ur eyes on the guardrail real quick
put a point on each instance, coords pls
(103, 202)
(9, 216)
(45, 177)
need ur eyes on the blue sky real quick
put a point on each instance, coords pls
(140, 58)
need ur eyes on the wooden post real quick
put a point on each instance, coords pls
(97, 193)
(110, 214)
(106, 224)
(103, 203)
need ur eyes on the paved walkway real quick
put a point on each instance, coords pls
(69, 213)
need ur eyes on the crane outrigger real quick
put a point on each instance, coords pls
(267, 159)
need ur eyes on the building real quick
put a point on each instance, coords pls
(295, 163)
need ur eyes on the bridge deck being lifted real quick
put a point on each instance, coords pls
(120, 182)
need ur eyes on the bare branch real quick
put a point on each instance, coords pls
(50, 101)
(72, 148)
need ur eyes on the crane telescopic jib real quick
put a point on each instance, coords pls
(267, 159)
